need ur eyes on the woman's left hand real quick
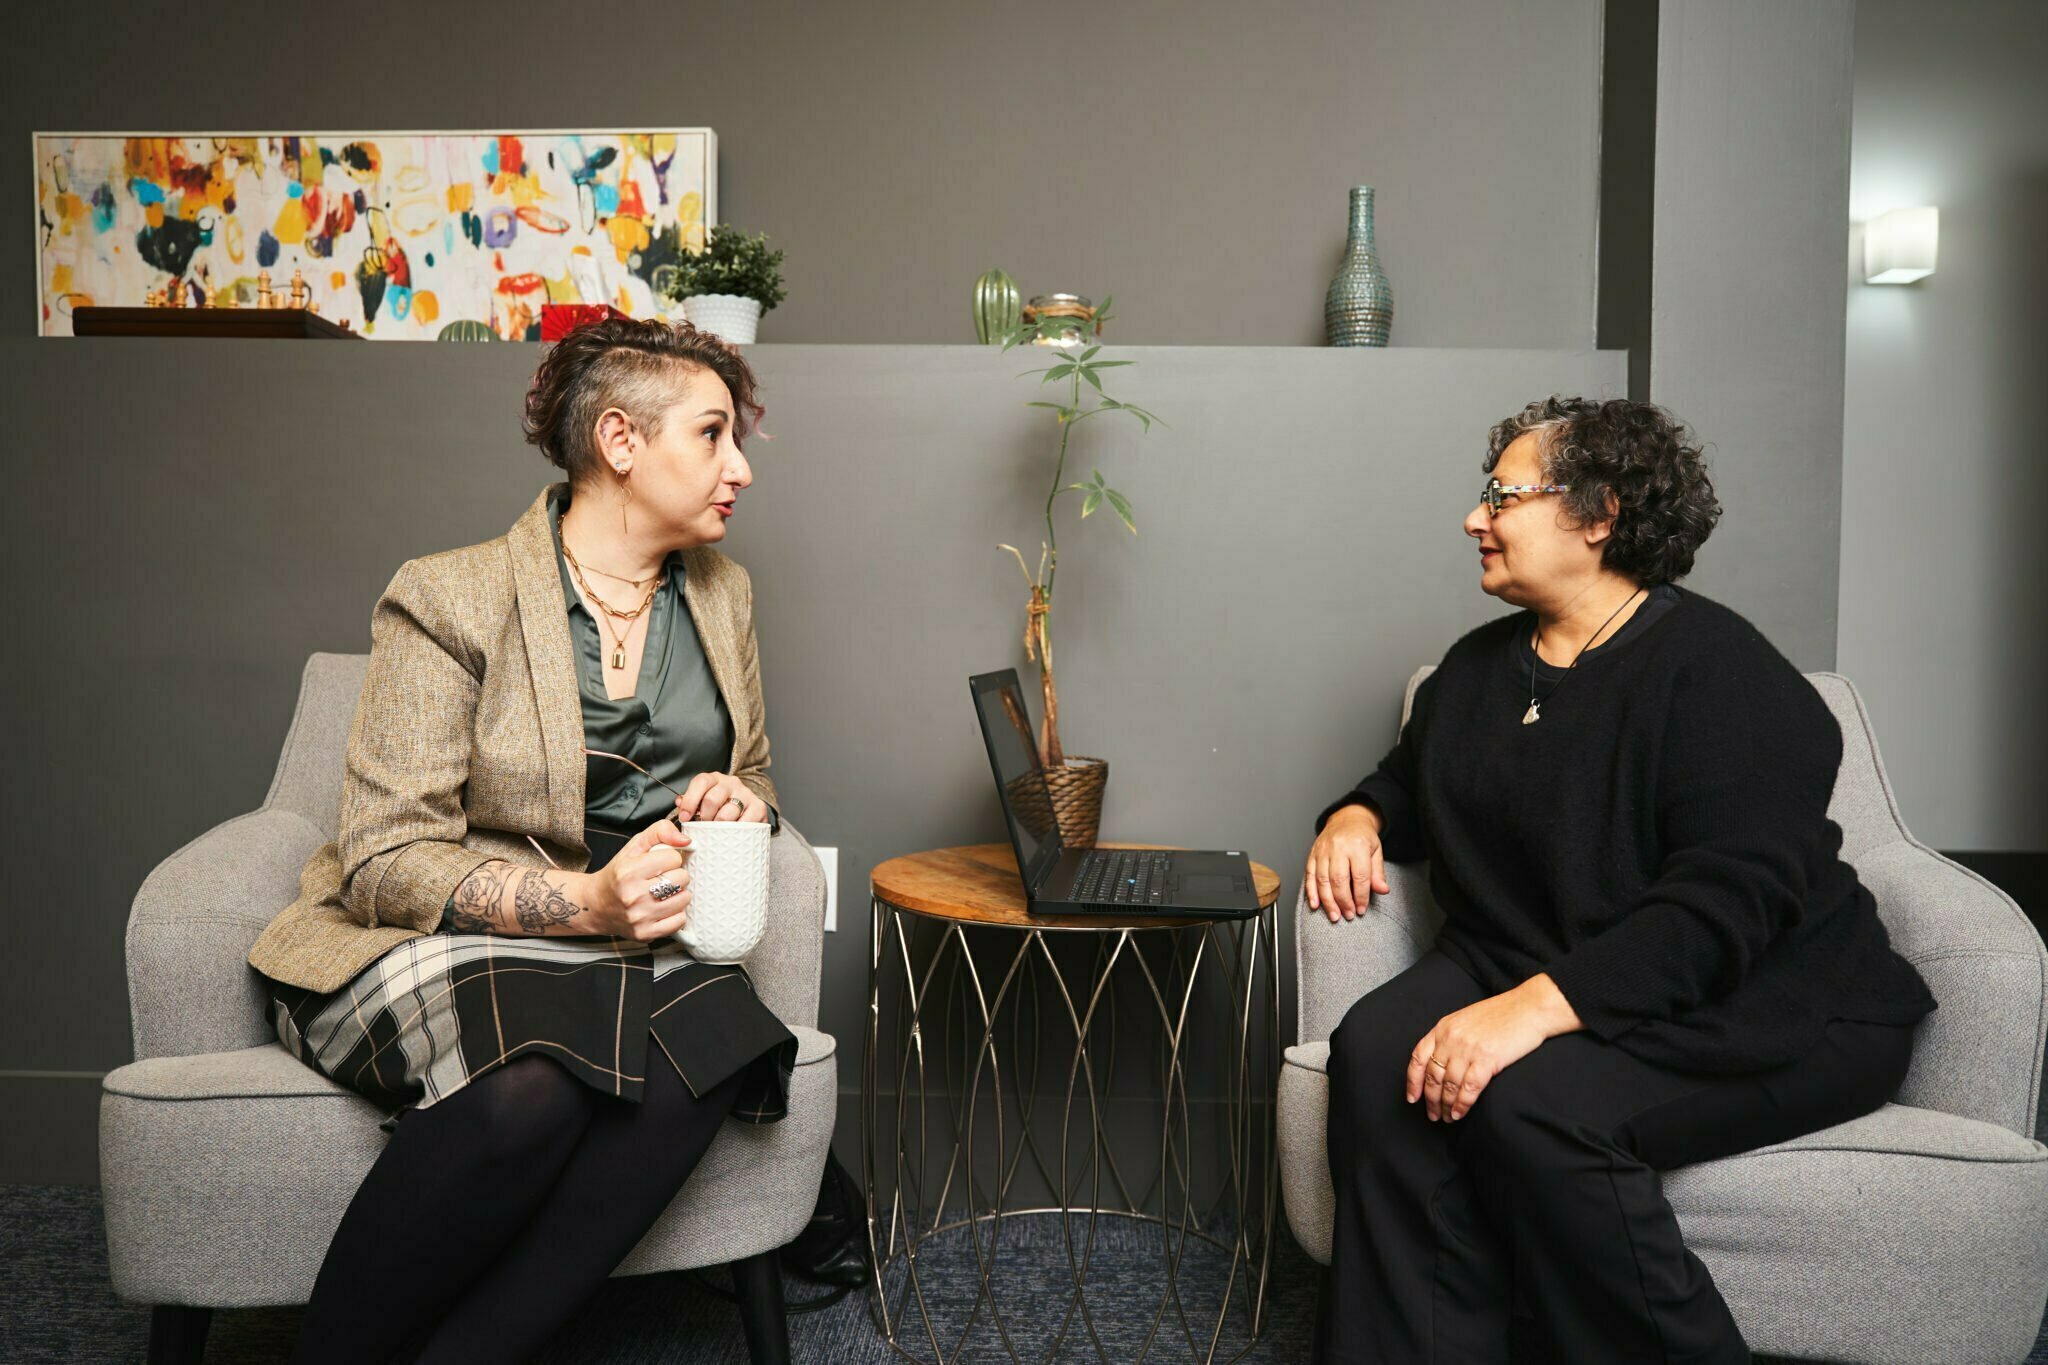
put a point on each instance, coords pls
(1477, 1043)
(720, 796)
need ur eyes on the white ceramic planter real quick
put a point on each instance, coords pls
(734, 317)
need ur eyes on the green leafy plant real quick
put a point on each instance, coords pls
(732, 262)
(1075, 367)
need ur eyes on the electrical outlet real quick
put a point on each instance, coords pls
(830, 858)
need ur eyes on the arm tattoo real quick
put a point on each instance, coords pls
(478, 903)
(541, 905)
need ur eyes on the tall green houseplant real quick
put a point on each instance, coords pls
(1077, 368)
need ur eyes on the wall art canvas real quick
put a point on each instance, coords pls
(397, 234)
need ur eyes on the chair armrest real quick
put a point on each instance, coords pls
(1335, 964)
(785, 967)
(190, 987)
(1978, 1055)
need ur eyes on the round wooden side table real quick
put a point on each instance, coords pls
(963, 986)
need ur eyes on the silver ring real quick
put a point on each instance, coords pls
(736, 801)
(663, 889)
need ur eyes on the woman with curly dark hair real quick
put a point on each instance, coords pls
(487, 949)
(1652, 952)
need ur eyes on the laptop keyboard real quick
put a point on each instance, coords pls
(1122, 877)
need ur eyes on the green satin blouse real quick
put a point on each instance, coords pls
(675, 724)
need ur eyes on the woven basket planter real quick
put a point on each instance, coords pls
(1077, 798)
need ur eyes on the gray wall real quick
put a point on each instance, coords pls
(1943, 606)
(201, 515)
(197, 516)
(1752, 190)
(1192, 157)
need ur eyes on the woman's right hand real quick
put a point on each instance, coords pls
(618, 898)
(1345, 865)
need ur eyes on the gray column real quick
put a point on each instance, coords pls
(1752, 208)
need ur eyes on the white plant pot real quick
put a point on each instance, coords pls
(734, 317)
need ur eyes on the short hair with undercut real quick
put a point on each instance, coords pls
(1663, 502)
(637, 365)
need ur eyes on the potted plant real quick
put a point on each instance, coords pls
(1076, 782)
(728, 285)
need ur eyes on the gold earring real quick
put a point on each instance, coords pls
(626, 496)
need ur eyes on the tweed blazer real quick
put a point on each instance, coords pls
(468, 738)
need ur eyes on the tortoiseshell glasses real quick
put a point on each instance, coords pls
(1496, 492)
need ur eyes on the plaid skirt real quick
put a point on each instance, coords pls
(437, 1011)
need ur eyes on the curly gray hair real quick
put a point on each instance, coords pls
(1632, 461)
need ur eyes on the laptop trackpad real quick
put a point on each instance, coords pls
(1206, 886)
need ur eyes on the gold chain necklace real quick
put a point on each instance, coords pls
(618, 640)
(636, 582)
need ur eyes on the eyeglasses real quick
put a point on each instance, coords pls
(1496, 492)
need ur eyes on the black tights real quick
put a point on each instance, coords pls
(494, 1214)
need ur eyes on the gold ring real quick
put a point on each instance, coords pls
(1434, 1062)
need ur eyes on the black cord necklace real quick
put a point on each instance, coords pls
(1531, 716)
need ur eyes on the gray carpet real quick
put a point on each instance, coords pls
(56, 1304)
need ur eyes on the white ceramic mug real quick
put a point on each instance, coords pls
(728, 867)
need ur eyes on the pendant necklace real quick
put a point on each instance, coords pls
(1531, 716)
(618, 640)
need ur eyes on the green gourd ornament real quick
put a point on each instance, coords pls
(998, 307)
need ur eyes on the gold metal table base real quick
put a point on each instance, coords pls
(961, 1136)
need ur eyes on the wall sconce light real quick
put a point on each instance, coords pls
(1898, 248)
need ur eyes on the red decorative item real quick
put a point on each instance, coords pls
(557, 320)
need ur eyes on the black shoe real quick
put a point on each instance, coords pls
(843, 1264)
(833, 1247)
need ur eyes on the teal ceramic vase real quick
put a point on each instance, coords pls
(1359, 309)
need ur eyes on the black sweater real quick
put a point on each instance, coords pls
(1658, 841)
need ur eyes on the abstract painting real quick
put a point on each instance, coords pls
(396, 234)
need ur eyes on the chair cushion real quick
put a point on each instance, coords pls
(1893, 1128)
(243, 1074)
(270, 1070)
(224, 1175)
(1905, 1235)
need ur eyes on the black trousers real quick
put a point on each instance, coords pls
(1540, 1214)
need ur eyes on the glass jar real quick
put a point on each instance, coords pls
(1072, 306)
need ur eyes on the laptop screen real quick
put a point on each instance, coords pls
(1013, 754)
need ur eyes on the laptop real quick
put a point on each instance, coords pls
(1062, 880)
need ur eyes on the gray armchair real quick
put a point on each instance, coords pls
(1917, 1233)
(225, 1163)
